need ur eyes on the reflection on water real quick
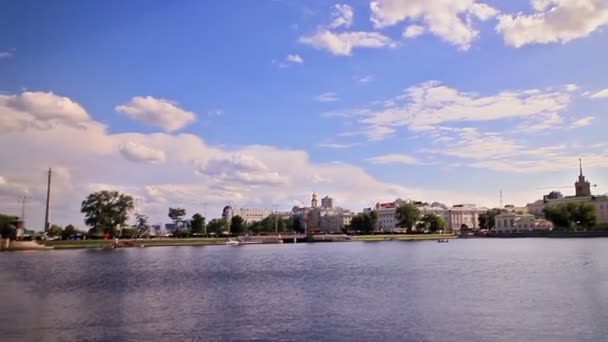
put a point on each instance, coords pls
(467, 290)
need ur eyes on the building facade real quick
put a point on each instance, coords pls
(455, 217)
(582, 193)
(511, 222)
(326, 218)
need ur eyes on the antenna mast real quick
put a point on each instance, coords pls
(48, 202)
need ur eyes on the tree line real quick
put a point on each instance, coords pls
(106, 214)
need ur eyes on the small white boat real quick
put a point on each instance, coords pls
(233, 242)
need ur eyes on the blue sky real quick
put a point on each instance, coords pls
(477, 96)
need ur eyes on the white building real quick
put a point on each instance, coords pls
(511, 222)
(251, 215)
(455, 217)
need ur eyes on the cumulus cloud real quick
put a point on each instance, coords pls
(343, 16)
(327, 97)
(342, 44)
(157, 112)
(450, 20)
(553, 21)
(413, 31)
(39, 109)
(394, 159)
(141, 153)
(602, 94)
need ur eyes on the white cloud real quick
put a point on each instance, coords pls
(432, 103)
(157, 112)
(342, 44)
(554, 21)
(295, 58)
(602, 94)
(6, 54)
(586, 121)
(337, 145)
(450, 20)
(571, 87)
(365, 79)
(38, 109)
(141, 153)
(326, 97)
(413, 31)
(394, 159)
(343, 16)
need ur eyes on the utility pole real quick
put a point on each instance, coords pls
(500, 201)
(48, 202)
(23, 202)
(206, 219)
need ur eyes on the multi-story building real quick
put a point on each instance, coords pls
(582, 193)
(249, 215)
(326, 218)
(512, 222)
(455, 217)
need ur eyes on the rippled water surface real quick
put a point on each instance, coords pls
(466, 290)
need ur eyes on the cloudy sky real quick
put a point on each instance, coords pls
(199, 104)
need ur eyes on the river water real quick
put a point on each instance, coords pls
(465, 290)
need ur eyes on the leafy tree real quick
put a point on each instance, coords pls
(68, 231)
(487, 219)
(237, 225)
(106, 210)
(5, 225)
(197, 225)
(142, 227)
(297, 225)
(55, 230)
(216, 226)
(407, 214)
(264, 226)
(364, 222)
(432, 223)
(177, 215)
(566, 216)
(128, 233)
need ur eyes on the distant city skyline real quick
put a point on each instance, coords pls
(185, 104)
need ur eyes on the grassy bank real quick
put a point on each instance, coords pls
(68, 244)
(405, 237)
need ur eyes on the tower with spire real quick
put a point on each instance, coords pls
(314, 202)
(582, 186)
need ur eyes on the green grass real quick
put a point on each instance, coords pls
(404, 237)
(69, 244)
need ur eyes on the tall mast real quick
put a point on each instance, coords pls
(48, 202)
(580, 165)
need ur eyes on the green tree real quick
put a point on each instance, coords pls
(177, 215)
(197, 225)
(567, 216)
(68, 231)
(237, 225)
(407, 214)
(216, 226)
(5, 225)
(487, 219)
(141, 225)
(106, 210)
(432, 223)
(297, 225)
(365, 223)
(55, 230)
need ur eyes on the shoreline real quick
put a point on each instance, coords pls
(101, 244)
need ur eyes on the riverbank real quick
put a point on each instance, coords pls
(405, 237)
(78, 244)
(72, 244)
